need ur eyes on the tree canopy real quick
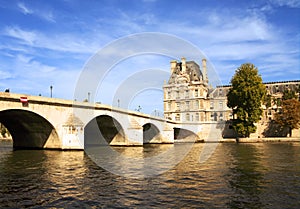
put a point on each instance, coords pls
(289, 115)
(288, 94)
(245, 98)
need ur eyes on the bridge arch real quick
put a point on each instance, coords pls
(182, 134)
(29, 130)
(103, 130)
(151, 133)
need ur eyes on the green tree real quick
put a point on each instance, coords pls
(277, 101)
(288, 94)
(289, 116)
(245, 98)
(268, 100)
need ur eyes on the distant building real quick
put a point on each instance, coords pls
(188, 97)
(186, 93)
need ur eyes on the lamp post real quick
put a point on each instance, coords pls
(51, 87)
(118, 103)
(89, 94)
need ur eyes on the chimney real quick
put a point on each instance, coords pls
(183, 65)
(173, 65)
(204, 70)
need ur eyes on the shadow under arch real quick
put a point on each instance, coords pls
(29, 130)
(181, 134)
(103, 130)
(150, 133)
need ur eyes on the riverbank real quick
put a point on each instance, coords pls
(226, 140)
(261, 140)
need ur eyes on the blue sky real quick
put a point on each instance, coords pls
(44, 43)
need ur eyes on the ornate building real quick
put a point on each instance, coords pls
(188, 97)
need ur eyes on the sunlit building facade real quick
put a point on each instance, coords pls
(187, 94)
(189, 98)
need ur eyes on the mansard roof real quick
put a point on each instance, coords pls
(192, 73)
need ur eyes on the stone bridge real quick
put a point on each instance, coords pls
(40, 122)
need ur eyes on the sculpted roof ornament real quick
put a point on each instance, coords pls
(185, 72)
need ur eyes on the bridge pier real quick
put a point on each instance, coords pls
(167, 134)
(134, 137)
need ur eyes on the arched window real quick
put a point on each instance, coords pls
(187, 117)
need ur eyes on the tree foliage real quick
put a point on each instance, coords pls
(288, 94)
(268, 100)
(245, 98)
(289, 116)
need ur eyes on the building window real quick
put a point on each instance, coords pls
(182, 106)
(220, 92)
(221, 116)
(177, 95)
(197, 116)
(187, 94)
(169, 95)
(197, 105)
(177, 117)
(211, 105)
(178, 106)
(221, 105)
(213, 116)
(169, 105)
(196, 93)
(187, 105)
(187, 117)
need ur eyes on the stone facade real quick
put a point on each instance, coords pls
(187, 95)
(189, 99)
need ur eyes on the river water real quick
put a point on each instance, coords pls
(262, 175)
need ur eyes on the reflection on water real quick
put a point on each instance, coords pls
(236, 176)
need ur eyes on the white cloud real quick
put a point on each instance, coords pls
(42, 13)
(289, 3)
(24, 9)
(33, 68)
(73, 43)
(47, 15)
(27, 75)
(28, 37)
(5, 75)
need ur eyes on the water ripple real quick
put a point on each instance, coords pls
(236, 176)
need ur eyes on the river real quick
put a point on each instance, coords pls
(258, 175)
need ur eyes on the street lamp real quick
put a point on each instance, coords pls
(118, 103)
(51, 87)
(89, 94)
